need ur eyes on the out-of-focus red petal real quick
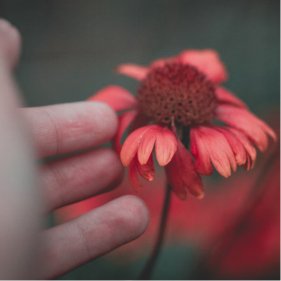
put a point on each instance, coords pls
(116, 97)
(215, 146)
(248, 123)
(166, 146)
(267, 129)
(200, 153)
(124, 122)
(162, 61)
(135, 71)
(207, 61)
(224, 96)
(131, 145)
(182, 176)
(147, 144)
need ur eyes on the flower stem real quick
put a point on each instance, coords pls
(149, 267)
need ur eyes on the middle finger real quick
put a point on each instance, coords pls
(80, 177)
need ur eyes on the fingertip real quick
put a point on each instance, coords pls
(69, 127)
(135, 215)
(10, 42)
(106, 115)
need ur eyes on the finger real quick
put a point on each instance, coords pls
(80, 177)
(96, 233)
(10, 43)
(64, 128)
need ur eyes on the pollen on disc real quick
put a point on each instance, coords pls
(179, 92)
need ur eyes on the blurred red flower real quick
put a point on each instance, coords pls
(250, 246)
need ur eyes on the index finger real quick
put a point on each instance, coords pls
(65, 128)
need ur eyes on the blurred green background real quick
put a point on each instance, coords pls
(70, 50)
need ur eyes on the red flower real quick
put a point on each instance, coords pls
(178, 101)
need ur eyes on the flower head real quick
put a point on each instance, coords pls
(173, 114)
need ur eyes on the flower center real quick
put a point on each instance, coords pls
(177, 93)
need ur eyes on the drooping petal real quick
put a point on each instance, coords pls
(147, 170)
(267, 129)
(236, 146)
(135, 71)
(242, 119)
(166, 146)
(125, 121)
(133, 174)
(244, 151)
(224, 96)
(116, 97)
(208, 62)
(131, 145)
(200, 153)
(215, 147)
(147, 144)
(249, 148)
(182, 176)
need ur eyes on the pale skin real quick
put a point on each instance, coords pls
(30, 190)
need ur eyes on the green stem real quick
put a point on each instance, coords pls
(149, 267)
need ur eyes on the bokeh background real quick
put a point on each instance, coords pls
(70, 50)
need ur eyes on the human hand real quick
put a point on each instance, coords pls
(29, 191)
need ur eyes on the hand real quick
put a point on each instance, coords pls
(28, 191)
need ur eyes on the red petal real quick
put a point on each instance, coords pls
(249, 148)
(124, 122)
(226, 97)
(267, 129)
(166, 146)
(132, 70)
(133, 175)
(247, 122)
(206, 61)
(200, 153)
(147, 170)
(116, 97)
(182, 176)
(162, 61)
(147, 144)
(236, 146)
(131, 145)
(215, 147)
